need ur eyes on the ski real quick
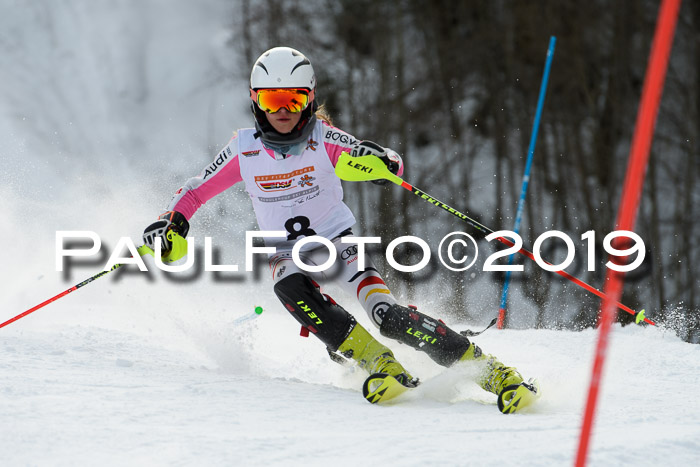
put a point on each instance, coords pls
(380, 388)
(515, 397)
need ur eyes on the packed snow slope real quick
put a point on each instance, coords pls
(107, 382)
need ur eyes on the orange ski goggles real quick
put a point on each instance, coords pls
(273, 100)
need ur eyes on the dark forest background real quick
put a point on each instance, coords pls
(453, 87)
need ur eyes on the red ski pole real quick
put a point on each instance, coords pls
(143, 250)
(370, 167)
(56, 297)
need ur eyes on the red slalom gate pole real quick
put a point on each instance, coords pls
(631, 196)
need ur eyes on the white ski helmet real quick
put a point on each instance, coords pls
(283, 67)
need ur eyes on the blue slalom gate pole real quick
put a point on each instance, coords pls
(526, 175)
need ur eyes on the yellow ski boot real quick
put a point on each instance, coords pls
(388, 378)
(504, 381)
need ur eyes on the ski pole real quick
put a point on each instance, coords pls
(526, 175)
(142, 250)
(62, 294)
(370, 167)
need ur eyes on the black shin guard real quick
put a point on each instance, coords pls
(421, 332)
(315, 311)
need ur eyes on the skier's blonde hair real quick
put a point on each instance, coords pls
(322, 114)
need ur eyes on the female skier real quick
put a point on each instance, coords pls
(287, 165)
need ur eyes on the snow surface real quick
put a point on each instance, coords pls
(191, 388)
(105, 108)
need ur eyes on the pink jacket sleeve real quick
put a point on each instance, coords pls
(221, 174)
(337, 141)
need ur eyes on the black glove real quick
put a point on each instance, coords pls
(171, 220)
(390, 158)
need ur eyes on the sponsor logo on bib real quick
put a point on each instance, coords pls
(281, 182)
